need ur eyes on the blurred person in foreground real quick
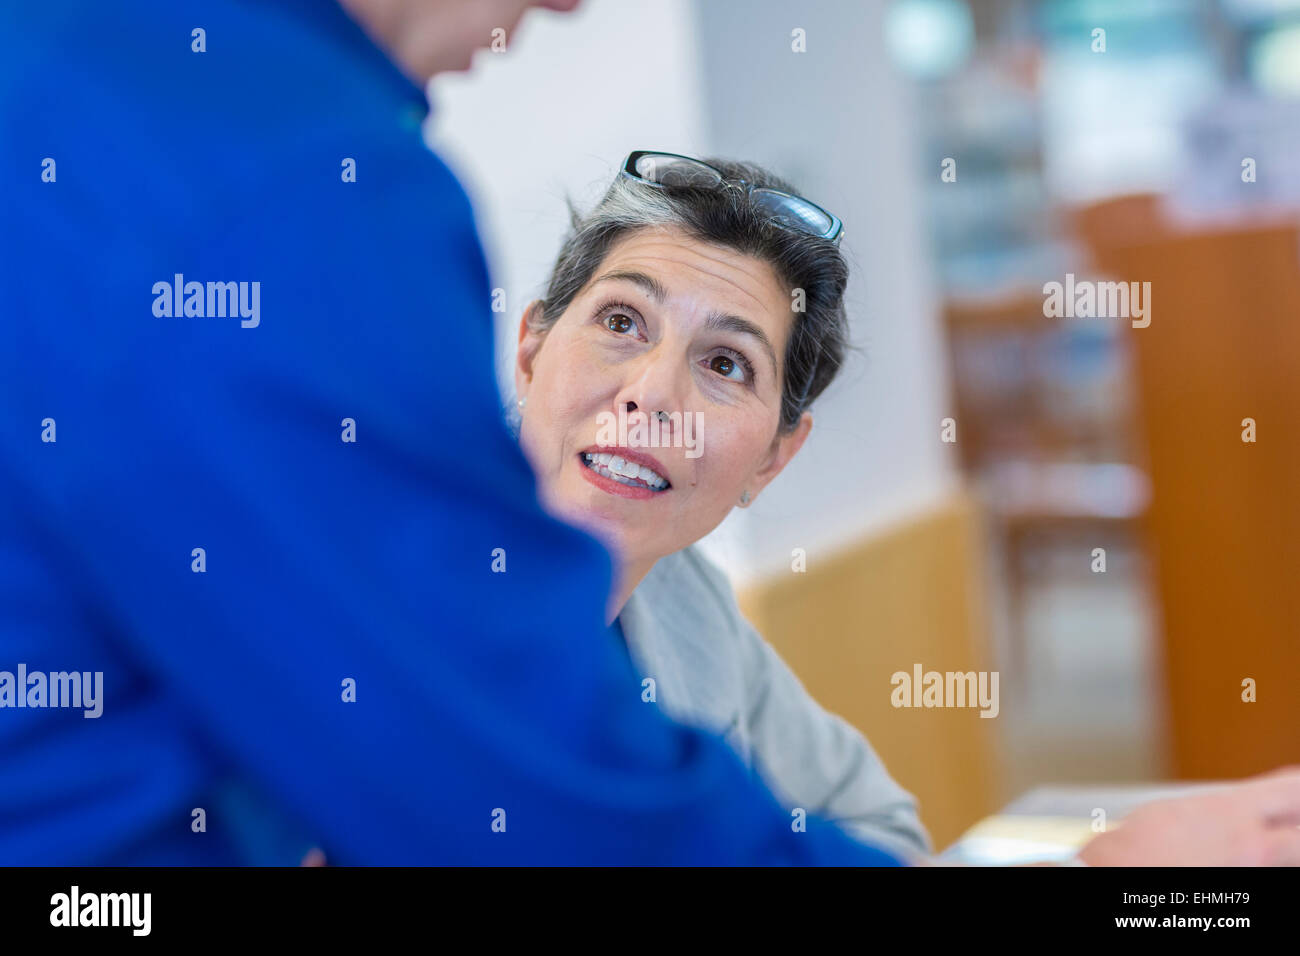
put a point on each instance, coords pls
(231, 487)
(297, 632)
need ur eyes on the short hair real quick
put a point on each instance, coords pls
(726, 216)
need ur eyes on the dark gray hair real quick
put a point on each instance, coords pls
(723, 215)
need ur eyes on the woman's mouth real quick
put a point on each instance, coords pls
(640, 480)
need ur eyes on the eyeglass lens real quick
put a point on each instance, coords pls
(675, 171)
(793, 212)
(790, 211)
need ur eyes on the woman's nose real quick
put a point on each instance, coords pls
(655, 386)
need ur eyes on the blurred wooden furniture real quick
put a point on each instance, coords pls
(1224, 520)
(1047, 470)
(912, 594)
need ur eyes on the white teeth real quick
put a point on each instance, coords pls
(624, 472)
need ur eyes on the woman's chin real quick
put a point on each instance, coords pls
(620, 524)
(604, 524)
(611, 530)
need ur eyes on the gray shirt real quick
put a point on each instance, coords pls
(712, 670)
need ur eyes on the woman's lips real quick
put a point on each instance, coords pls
(618, 462)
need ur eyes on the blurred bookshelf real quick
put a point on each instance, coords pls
(1110, 163)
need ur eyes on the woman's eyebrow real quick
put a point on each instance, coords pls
(725, 322)
(647, 282)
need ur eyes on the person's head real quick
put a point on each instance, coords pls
(688, 301)
(426, 37)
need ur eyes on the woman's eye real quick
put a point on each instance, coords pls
(620, 323)
(727, 368)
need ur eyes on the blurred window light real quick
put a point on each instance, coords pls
(1113, 121)
(1248, 11)
(1275, 61)
(929, 39)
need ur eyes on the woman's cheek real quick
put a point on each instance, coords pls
(719, 475)
(737, 451)
(580, 387)
(534, 446)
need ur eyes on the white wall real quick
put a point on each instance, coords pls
(572, 96)
(837, 119)
(553, 117)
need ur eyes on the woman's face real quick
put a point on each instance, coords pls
(667, 324)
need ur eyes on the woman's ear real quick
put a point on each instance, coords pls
(784, 447)
(530, 340)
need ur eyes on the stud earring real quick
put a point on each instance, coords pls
(520, 403)
(744, 497)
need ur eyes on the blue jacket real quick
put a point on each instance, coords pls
(301, 636)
